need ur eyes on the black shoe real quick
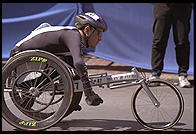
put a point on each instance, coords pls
(93, 99)
(77, 108)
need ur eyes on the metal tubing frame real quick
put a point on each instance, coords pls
(123, 80)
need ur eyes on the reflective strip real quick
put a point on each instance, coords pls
(43, 30)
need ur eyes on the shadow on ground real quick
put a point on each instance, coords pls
(105, 125)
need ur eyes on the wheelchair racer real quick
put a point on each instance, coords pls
(87, 32)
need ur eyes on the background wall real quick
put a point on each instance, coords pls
(128, 39)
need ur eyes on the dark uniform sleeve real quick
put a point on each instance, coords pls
(72, 40)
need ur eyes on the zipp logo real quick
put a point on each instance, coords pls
(39, 59)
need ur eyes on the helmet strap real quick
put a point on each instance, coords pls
(86, 39)
(89, 34)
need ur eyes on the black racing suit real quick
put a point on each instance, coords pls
(58, 39)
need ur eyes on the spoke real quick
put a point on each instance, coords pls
(31, 98)
(45, 86)
(41, 82)
(21, 88)
(167, 113)
(25, 83)
(35, 81)
(153, 111)
(142, 98)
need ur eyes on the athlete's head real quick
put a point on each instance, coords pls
(92, 25)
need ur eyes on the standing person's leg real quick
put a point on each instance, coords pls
(161, 29)
(181, 31)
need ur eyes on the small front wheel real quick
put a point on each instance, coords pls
(158, 117)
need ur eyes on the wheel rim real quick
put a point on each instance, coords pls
(160, 117)
(40, 120)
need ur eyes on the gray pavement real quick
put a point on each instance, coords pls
(115, 114)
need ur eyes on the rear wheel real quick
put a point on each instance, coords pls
(37, 90)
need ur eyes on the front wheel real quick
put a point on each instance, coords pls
(164, 116)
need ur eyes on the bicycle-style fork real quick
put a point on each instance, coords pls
(146, 88)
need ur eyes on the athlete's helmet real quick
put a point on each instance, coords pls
(93, 19)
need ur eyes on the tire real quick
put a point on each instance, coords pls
(77, 96)
(19, 70)
(164, 116)
(74, 104)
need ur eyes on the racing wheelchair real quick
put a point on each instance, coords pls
(39, 89)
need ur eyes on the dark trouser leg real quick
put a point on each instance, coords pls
(182, 57)
(161, 29)
(181, 29)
